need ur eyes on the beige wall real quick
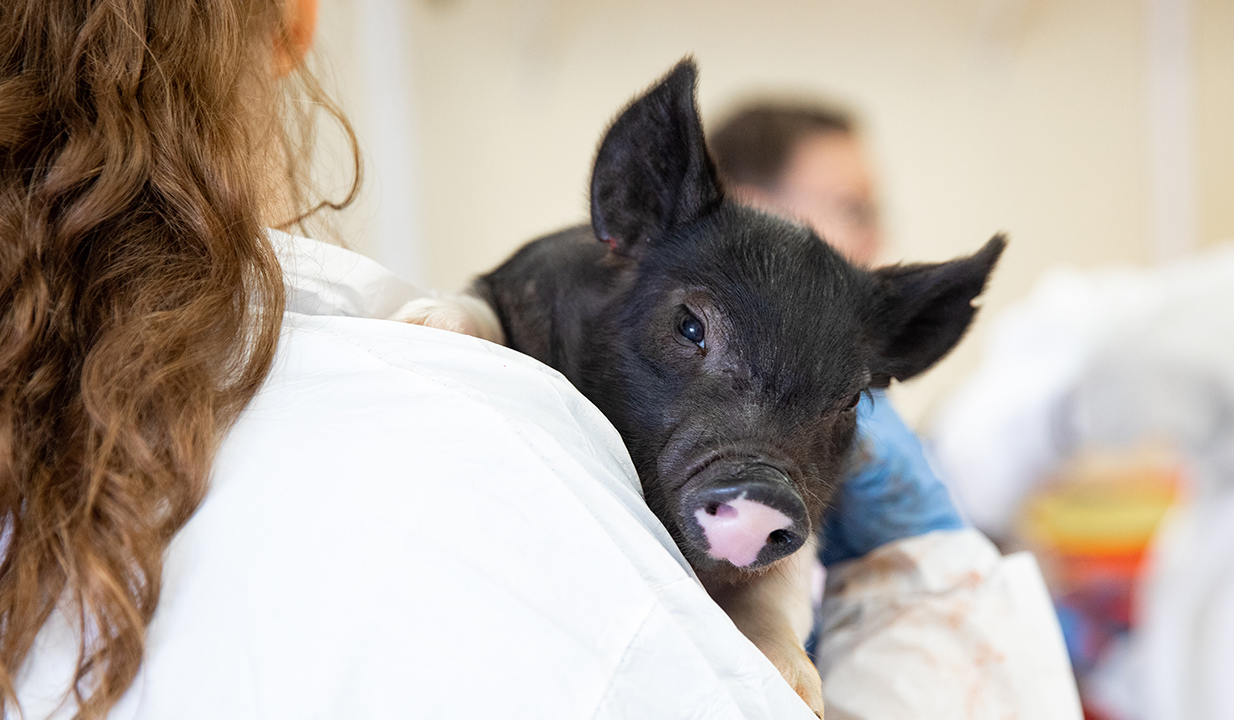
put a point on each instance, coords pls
(1214, 62)
(1024, 116)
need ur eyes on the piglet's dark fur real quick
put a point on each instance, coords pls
(726, 345)
(729, 348)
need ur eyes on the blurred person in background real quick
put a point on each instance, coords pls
(1106, 360)
(807, 163)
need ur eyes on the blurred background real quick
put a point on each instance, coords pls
(1091, 131)
(1077, 417)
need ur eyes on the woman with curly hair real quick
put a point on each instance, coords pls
(225, 491)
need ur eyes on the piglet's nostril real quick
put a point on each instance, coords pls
(721, 510)
(781, 537)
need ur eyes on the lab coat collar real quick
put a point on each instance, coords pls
(323, 279)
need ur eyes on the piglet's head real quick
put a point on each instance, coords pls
(734, 353)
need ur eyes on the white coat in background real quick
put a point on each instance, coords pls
(1109, 358)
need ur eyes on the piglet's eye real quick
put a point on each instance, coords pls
(691, 329)
(853, 402)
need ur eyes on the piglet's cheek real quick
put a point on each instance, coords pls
(739, 528)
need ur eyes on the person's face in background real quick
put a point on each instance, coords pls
(828, 184)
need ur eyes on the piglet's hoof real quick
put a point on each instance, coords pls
(793, 663)
(460, 313)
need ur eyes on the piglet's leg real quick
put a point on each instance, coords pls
(458, 312)
(773, 610)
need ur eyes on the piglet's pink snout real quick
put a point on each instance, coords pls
(738, 530)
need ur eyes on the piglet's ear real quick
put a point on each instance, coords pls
(652, 171)
(923, 311)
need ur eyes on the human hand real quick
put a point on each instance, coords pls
(888, 492)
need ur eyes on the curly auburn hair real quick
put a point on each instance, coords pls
(140, 301)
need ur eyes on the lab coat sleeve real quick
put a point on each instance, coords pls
(941, 626)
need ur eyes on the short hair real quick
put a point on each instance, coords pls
(754, 144)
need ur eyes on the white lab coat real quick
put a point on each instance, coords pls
(411, 523)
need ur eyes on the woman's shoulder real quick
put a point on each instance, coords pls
(372, 380)
(397, 505)
(410, 522)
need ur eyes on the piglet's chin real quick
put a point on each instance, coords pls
(738, 530)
